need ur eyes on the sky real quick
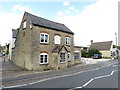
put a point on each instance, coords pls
(95, 20)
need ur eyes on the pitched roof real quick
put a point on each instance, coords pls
(47, 23)
(101, 45)
(14, 33)
(58, 48)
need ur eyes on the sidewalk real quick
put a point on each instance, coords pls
(12, 73)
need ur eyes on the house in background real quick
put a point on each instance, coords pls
(118, 48)
(85, 47)
(12, 43)
(119, 43)
(105, 48)
(41, 44)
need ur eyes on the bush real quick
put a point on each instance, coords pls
(89, 53)
(107, 57)
(92, 52)
(84, 53)
(7, 52)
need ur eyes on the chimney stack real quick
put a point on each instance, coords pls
(91, 41)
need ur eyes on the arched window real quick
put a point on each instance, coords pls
(67, 40)
(44, 38)
(76, 55)
(57, 39)
(43, 58)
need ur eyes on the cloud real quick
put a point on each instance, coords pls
(77, 11)
(8, 22)
(72, 8)
(60, 13)
(21, 8)
(97, 22)
(67, 11)
(66, 3)
(11, 20)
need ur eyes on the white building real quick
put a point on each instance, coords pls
(12, 43)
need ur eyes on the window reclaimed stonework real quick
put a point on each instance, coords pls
(76, 55)
(62, 57)
(57, 39)
(43, 58)
(67, 40)
(24, 24)
(44, 38)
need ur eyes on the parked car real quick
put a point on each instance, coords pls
(97, 56)
(0, 54)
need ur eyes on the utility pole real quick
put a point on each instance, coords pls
(116, 38)
(116, 45)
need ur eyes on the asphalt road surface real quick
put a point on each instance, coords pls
(105, 77)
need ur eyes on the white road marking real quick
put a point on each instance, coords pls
(64, 76)
(79, 87)
(102, 76)
(40, 81)
(112, 73)
(88, 82)
(116, 65)
(96, 78)
(16, 86)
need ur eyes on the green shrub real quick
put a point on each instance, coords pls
(89, 53)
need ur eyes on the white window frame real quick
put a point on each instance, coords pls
(44, 38)
(78, 53)
(43, 58)
(24, 24)
(69, 56)
(57, 39)
(67, 40)
(62, 61)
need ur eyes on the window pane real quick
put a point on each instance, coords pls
(69, 41)
(46, 38)
(57, 39)
(62, 57)
(42, 37)
(41, 58)
(76, 56)
(66, 41)
(68, 56)
(45, 60)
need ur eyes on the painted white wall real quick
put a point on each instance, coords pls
(13, 42)
(12, 45)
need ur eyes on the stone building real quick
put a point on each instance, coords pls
(41, 44)
(105, 47)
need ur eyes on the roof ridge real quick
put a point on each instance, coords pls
(43, 18)
(103, 42)
(37, 20)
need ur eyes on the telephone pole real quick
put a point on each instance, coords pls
(116, 38)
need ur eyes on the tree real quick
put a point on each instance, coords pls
(7, 51)
(91, 52)
(114, 46)
(84, 53)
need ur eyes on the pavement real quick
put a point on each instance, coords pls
(10, 72)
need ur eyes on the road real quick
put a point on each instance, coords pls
(105, 77)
